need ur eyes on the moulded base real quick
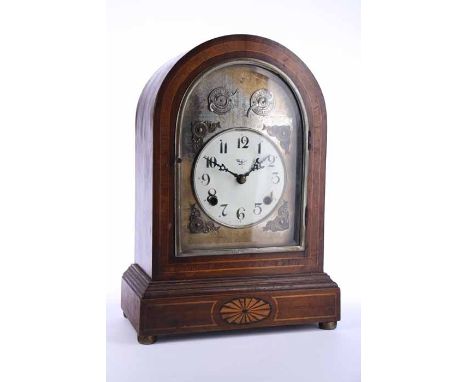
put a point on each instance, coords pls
(188, 306)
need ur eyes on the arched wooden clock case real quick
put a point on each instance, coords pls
(194, 271)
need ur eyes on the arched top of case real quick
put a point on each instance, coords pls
(156, 122)
(170, 81)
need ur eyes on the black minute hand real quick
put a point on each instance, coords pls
(257, 165)
(222, 167)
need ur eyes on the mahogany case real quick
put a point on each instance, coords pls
(165, 294)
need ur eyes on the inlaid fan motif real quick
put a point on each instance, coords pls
(245, 310)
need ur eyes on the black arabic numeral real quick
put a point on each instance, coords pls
(205, 179)
(211, 162)
(271, 160)
(222, 147)
(275, 178)
(224, 209)
(212, 198)
(260, 148)
(240, 213)
(243, 142)
(258, 209)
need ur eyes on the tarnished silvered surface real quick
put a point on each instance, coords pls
(251, 96)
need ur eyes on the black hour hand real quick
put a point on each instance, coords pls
(221, 167)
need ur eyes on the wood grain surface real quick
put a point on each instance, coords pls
(165, 294)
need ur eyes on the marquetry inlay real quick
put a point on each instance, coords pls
(245, 310)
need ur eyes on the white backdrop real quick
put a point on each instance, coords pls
(326, 36)
(66, 165)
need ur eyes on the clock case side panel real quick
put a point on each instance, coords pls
(145, 170)
(161, 121)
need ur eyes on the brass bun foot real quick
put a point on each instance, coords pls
(327, 325)
(147, 340)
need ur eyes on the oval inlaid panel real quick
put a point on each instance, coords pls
(245, 310)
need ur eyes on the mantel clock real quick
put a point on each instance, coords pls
(230, 182)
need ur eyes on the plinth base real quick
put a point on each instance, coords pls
(188, 306)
